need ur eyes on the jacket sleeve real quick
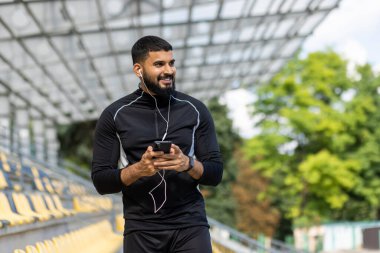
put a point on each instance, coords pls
(207, 149)
(105, 173)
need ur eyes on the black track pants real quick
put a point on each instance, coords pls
(186, 240)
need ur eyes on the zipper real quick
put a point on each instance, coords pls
(156, 123)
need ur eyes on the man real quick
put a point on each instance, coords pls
(164, 210)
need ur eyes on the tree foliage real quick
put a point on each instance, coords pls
(220, 202)
(256, 215)
(76, 142)
(319, 141)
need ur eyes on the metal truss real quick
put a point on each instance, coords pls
(66, 60)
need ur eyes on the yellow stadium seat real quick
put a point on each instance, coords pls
(6, 213)
(49, 188)
(58, 186)
(60, 244)
(94, 238)
(6, 183)
(23, 207)
(3, 157)
(41, 248)
(38, 184)
(6, 166)
(51, 247)
(51, 206)
(5, 163)
(17, 187)
(31, 249)
(60, 207)
(40, 207)
(35, 172)
(119, 221)
(3, 181)
(82, 204)
(19, 251)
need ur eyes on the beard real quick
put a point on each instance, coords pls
(153, 86)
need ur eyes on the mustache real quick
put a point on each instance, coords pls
(165, 77)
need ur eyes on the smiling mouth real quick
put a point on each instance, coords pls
(166, 81)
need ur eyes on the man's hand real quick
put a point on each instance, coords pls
(176, 160)
(146, 165)
(144, 168)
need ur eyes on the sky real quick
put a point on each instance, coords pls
(353, 30)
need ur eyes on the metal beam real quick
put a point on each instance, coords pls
(253, 19)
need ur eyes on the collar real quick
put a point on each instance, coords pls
(161, 101)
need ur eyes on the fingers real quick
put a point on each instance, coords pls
(150, 154)
(157, 160)
(173, 164)
(175, 149)
(147, 167)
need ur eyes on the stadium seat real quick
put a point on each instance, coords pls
(59, 187)
(40, 207)
(84, 204)
(48, 186)
(23, 207)
(38, 185)
(5, 166)
(95, 238)
(31, 249)
(6, 183)
(4, 163)
(60, 207)
(35, 172)
(51, 206)
(6, 213)
(3, 181)
(119, 221)
(19, 251)
(41, 248)
(51, 247)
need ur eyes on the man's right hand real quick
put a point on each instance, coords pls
(143, 168)
(146, 165)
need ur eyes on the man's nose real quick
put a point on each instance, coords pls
(169, 70)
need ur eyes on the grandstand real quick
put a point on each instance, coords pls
(63, 61)
(47, 209)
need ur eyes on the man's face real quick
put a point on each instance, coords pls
(159, 72)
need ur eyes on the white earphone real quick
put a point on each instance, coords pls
(156, 209)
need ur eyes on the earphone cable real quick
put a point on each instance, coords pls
(163, 138)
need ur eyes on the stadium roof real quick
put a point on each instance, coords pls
(66, 60)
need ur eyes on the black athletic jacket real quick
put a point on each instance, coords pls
(134, 122)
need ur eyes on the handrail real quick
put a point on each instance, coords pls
(243, 239)
(252, 244)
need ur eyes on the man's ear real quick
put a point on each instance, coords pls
(137, 68)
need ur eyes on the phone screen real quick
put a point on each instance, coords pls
(162, 146)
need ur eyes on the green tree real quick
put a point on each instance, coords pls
(256, 216)
(220, 203)
(76, 142)
(318, 146)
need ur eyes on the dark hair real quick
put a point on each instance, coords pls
(144, 45)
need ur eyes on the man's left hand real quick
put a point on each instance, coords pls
(176, 160)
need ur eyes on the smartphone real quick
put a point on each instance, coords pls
(162, 146)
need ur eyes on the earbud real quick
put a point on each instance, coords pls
(140, 73)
